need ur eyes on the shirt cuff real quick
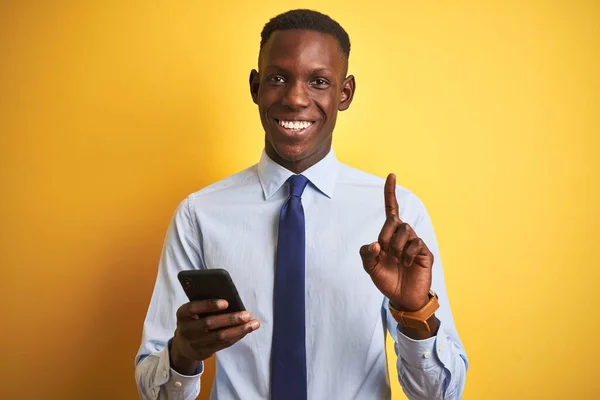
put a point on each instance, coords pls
(426, 353)
(173, 380)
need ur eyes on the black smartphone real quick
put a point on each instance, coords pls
(208, 284)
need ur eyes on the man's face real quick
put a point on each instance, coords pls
(300, 87)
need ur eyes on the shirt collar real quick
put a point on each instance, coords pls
(322, 175)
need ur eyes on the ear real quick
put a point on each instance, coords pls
(254, 85)
(348, 88)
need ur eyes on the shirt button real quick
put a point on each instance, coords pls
(165, 373)
(177, 384)
(427, 354)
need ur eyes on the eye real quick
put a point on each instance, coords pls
(320, 82)
(276, 79)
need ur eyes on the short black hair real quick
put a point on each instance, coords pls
(307, 20)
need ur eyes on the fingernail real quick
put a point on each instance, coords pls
(222, 304)
(245, 316)
(254, 325)
(372, 247)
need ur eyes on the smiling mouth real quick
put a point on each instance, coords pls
(294, 126)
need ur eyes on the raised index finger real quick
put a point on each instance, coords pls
(389, 194)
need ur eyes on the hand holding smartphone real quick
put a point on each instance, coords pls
(214, 319)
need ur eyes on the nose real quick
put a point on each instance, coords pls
(296, 96)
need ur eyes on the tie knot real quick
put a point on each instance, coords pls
(297, 185)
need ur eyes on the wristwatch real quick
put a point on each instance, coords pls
(417, 319)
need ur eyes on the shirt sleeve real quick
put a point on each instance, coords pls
(434, 368)
(155, 378)
(158, 381)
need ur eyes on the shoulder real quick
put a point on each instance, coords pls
(234, 185)
(372, 186)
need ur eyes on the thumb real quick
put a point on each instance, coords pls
(370, 256)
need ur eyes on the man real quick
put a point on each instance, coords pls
(289, 230)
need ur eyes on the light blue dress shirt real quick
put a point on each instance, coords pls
(232, 224)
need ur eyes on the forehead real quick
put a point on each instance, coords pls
(302, 49)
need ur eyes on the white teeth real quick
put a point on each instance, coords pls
(295, 125)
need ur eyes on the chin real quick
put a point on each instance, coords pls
(294, 151)
(290, 152)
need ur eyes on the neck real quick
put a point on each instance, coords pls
(301, 165)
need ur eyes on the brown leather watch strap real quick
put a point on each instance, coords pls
(417, 319)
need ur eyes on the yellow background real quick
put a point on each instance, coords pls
(112, 112)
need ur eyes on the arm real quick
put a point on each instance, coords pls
(430, 366)
(155, 378)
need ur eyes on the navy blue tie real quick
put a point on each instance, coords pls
(288, 353)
